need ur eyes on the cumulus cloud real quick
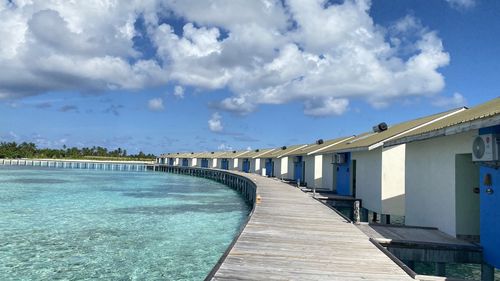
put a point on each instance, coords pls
(156, 104)
(328, 106)
(263, 52)
(462, 4)
(215, 123)
(456, 100)
(179, 92)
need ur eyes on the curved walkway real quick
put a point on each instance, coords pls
(291, 236)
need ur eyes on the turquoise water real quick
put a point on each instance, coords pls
(63, 224)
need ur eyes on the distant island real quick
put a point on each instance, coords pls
(14, 150)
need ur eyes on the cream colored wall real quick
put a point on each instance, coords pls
(176, 161)
(393, 180)
(212, 163)
(430, 180)
(369, 178)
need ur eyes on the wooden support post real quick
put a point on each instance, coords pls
(356, 217)
(440, 269)
(487, 272)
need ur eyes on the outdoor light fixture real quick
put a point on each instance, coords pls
(488, 182)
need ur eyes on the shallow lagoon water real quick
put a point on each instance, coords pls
(66, 224)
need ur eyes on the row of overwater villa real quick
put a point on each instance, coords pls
(436, 171)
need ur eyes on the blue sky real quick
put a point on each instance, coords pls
(205, 75)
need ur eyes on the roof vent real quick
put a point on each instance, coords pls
(212, 152)
(234, 151)
(257, 150)
(192, 152)
(380, 127)
(177, 152)
(320, 141)
(283, 147)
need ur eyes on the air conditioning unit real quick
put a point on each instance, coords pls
(339, 158)
(485, 148)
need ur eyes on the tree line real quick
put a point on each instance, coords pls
(29, 150)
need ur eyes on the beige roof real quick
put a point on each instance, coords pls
(279, 152)
(369, 139)
(256, 153)
(234, 154)
(312, 148)
(210, 155)
(483, 111)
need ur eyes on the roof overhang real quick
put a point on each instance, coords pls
(451, 130)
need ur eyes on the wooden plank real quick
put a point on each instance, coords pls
(291, 236)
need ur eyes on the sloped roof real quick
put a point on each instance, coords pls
(256, 153)
(312, 148)
(234, 154)
(211, 155)
(487, 110)
(367, 140)
(280, 152)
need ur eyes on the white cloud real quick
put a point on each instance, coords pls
(224, 147)
(263, 52)
(328, 106)
(215, 123)
(156, 104)
(456, 100)
(179, 92)
(462, 4)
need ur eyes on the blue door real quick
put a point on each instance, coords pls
(489, 182)
(269, 167)
(344, 176)
(224, 164)
(185, 162)
(171, 161)
(298, 167)
(246, 165)
(204, 163)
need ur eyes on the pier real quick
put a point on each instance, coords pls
(78, 164)
(291, 236)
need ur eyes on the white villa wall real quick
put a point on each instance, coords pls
(192, 162)
(393, 180)
(176, 161)
(430, 180)
(314, 170)
(255, 166)
(368, 178)
(212, 163)
(234, 164)
(281, 167)
(329, 174)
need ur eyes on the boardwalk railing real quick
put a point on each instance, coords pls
(242, 184)
(77, 164)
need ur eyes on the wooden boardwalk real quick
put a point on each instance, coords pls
(291, 236)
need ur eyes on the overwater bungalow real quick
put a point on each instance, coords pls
(368, 171)
(452, 176)
(276, 162)
(208, 159)
(308, 165)
(251, 161)
(230, 160)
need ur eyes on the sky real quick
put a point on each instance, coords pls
(171, 76)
